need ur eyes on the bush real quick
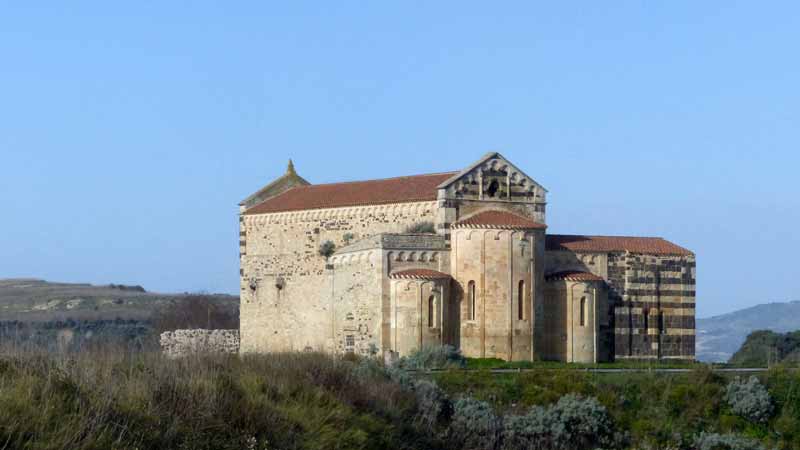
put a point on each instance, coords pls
(433, 357)
(749, 399)
(474, 426)
(401, 377)
(421, 228)
(573, 423)
(326, 249)
(713, 441)
(433, 405)
(367, 370)
(196, 311)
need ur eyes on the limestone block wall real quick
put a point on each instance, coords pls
(496, 286)
(186, 342)
(285, 286)
(553, 344)
(356, 307)
(572, 321)
(654, 305)
(419, 313)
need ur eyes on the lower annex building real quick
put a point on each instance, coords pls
(461, 258)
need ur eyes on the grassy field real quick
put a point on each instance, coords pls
(493, 363)
(118, 400)
(111, 398)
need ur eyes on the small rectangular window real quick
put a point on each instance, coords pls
(349, 341)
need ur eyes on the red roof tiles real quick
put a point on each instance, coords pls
(415, 188)
(419, 274)
(573, 275)
(644, 245)
(499, 219)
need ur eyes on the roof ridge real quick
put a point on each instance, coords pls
(610, 236)
(377, 179)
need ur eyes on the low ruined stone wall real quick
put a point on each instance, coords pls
(185, 342)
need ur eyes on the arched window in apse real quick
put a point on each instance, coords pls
(521, 300)
(583, 311)
(471, 300)
(431, 311)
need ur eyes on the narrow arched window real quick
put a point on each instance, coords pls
(646, 315)
(493, 187)
(583, 311)
(521, 300)
(662, 327)
(471, 300)
(431, 311)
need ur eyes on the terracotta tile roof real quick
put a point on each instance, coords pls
(573, 275)
(500, 220)
(415, 188)
(644, 245)
(419, 274)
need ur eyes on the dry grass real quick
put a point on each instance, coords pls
(109, 398)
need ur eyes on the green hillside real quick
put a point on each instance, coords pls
(764, 348)
(70, 315)
(719, 337)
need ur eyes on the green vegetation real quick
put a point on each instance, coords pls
(424, 227)
(327, 249)
(654, 410)
(494, 363)
(119, 399)
(763, 348)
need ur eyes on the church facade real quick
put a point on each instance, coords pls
(461, 258)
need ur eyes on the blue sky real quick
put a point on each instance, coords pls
(128, 133)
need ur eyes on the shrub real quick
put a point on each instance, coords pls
(401, 377)
(422, 228)
(749, 399)
(195, 311)
(433, 405)
(474, 426)
(573, 423)
(433, 357)
(367, 370)
(713, 441)
(326, 249)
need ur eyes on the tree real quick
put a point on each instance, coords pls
(196, 311)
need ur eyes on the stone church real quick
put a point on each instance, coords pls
(462, 258)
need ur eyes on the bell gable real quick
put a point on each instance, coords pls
(493, 178)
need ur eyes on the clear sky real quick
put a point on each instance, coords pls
(129, 132)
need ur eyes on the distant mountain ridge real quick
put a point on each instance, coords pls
(35, 300)
(719, 337)
(67, 316)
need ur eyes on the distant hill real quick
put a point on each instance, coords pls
(763, 348)
(31, 300)
(719, 337)
(43, 312)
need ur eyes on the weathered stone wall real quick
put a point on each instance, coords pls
(651, 302)
(282, 249)
(186, 342)
(654, 305)
(417, 313)
(496, 263)
(567, 337)
(356, 308)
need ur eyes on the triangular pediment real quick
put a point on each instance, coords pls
(493, 177)
(287, 181)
